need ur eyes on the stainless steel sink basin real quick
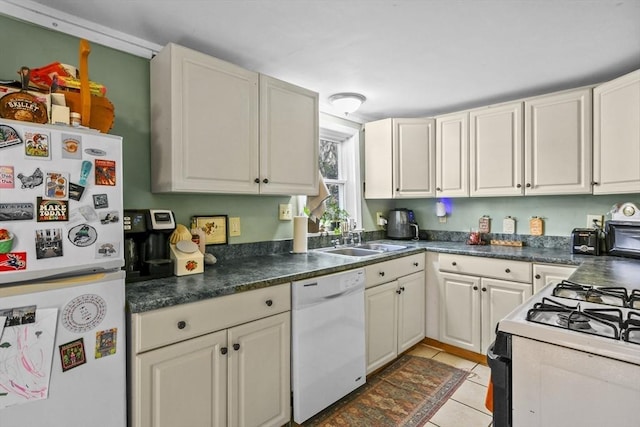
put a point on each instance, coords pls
(350, 251)
(384, 247)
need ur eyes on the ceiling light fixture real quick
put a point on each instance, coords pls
(347, 102)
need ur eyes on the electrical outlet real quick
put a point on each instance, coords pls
(284, 213)
(234, 226)
(594, 221)
(380, 221)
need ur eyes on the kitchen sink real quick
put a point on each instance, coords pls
(384, 247)
(350, 251)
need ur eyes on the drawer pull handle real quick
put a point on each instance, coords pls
(257, 180)
(475, 288)
(537, 276)
(454, 263)
(381, 274)
(484, 289)
(223, 350)
(236, 346)
(415, 264)
(269, 303)
(265, 181)
(398, 291)
(182, 324)
(507, 271)
(402, 288)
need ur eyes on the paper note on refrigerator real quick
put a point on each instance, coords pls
(26, 353)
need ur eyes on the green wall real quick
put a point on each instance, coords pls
(127, 80)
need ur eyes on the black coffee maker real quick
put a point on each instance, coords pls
(146, 243)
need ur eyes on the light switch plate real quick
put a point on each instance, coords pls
(234, 226)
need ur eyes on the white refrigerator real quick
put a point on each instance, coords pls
(62, 296)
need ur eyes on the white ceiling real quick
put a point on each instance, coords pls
(410, 58)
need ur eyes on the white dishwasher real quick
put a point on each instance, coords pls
(328, 340)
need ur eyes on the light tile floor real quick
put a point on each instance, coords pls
(466, 406)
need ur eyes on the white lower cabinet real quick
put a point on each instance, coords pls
(471, 304)
(543, 274)
(394, 311)
(237, 376)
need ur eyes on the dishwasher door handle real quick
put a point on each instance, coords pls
(336, 295)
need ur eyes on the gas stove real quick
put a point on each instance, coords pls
(593, 319)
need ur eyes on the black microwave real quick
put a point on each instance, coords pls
(623, 238)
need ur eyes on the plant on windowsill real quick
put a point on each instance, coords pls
(333, 216)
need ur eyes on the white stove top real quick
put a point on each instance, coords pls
(516, 323)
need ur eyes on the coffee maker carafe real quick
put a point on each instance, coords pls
(146, 247)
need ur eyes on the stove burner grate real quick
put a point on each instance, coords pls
(631, 332)
(609, 295)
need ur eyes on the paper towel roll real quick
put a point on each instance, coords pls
(300, 234)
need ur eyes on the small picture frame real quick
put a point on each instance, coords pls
(214, 227)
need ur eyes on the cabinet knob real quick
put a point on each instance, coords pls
(257, 180)
(266, 181)
(236, 346)
(438, 189)
(537, 276)
(484, 289)
(507, 270)
(398, 291)
(528, 185)
(595, 183)
(415, 264)
(454, 263)
(475, 288)
(402, 288)
(182, 324)
(519, 186)
(381, 274)
(223, 350)
(269, 303)
(397, 189)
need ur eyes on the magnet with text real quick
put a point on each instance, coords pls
(105, 172)
(9, 137)
(75, 191)
(16, 211)
(31, 181)
(83, 235)
(107, 249)
(52, 210)
(6, 177)
(13, 261)
(95, 152)
(38, 145)
(72, 354)
(71, 146)
(100, 201)
(56, 186)
(49, 243)
(106, 343)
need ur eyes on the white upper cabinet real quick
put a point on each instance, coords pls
(616, 136)
(558, 149)
(400, 158)
(495, 154)
(216, 129)
(452, 155)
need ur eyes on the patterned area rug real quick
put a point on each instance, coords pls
(407, 393)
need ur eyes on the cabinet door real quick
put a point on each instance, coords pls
(183, 384)
(289, 142)
(616, 136)
(411, 310)
(204, 124)
(544, 274)
(378, 160)
(381, 315)
(452, 155)
(499, 298)
(460, 311)
(496, 156)
(259, 372)
(414, 158)
(558, 150)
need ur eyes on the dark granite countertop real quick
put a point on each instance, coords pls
(253, 272)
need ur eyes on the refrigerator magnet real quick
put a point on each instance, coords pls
(72, 354)
(106, 343)
(16, 211)
(13, 261)
(83, 313)
(37, 146)
(6, 177)
(107, 249)
(71, 146)
(49, 243)
(9, 137)
(100, 201)
(109, 217)
(52, 210)
(31, 181)
(105, 172)
(75, 191)
(83, 235)
(56, 186)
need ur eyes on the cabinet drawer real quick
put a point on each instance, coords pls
(165, 326)
(388, 271)
(518, 271)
